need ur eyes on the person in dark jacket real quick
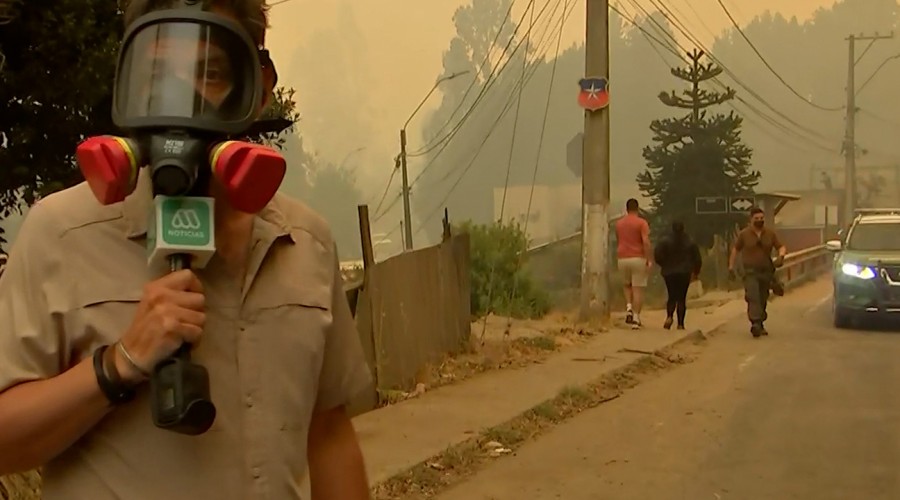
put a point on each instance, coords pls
(678, 258)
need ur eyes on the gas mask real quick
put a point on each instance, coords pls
(188, 83)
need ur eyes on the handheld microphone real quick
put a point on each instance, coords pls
(181, 234)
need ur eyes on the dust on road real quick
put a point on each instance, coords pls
(807, 413)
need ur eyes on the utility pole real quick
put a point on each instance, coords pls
(850, 134)
(850, 137)
(407, 217)
(595, 263)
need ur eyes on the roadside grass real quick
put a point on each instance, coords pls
(458, 462)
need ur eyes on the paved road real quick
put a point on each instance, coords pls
(807, 413)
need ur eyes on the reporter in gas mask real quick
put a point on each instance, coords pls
(85, 321)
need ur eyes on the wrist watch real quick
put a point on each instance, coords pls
(116, 390)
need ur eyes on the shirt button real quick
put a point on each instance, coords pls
(249, 402)
(256, 473)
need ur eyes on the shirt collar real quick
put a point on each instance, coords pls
(136, 210)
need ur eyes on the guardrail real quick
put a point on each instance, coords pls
(804, 265)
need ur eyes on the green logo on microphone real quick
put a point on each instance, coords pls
(186, 222)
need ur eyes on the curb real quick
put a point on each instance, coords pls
(614, 376)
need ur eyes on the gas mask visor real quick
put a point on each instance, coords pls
(187, 69)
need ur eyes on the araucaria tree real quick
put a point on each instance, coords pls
(697, 155)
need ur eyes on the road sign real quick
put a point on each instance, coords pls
(711, 204)
(741, 204)
(575, 153)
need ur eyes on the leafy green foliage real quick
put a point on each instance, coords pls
(283, 107)
(55, 90)
(500, 283)
(697, 155)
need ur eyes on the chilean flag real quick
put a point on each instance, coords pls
(594, 93)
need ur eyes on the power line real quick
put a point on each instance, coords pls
(512, 142)
(874, 73)
(740, 99)
(488, 84)
(472, 162)
(386, 189)
(512, 146)
(537, 163)
(880, 118)
(484, 62)
(677, 24)
(513, 88)
(769, 66)
(493, 126)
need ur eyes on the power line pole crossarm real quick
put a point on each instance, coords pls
(595, 263)
(850, 194)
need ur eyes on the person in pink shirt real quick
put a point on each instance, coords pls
(635, 256)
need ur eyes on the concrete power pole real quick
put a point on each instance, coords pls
(595, 265)
(850, 137)
(407, 217)
(850, 134)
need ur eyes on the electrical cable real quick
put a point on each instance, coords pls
(769, 66)
(469, 165)
(677, 24)
(490, 131)
(537, 163)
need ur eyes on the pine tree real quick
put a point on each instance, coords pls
(697, 155)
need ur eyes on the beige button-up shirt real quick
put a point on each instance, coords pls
(277, 349)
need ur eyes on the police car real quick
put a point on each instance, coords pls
(867, 267)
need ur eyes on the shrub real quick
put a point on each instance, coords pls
(500, 283)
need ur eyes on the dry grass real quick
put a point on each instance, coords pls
(21, 486)
(502, 346)
(456, 463)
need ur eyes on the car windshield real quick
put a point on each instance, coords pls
(877, 237)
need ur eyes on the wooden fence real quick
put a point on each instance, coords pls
(412, 310)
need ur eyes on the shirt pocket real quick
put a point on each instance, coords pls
(101, 316)
(288, 334)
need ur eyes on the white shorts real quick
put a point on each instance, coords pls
(634, 271)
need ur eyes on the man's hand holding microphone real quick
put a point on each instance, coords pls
(171, 312)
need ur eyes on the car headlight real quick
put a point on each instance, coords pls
(861, 272)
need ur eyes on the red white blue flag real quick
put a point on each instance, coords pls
(594, 93)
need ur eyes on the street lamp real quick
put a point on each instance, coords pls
(407, 226)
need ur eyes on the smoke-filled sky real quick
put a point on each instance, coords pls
(400, 47)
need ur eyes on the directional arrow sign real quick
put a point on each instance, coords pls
(575, 153)
(712, 205)
(741, 203)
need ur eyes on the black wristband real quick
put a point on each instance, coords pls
(115, 391)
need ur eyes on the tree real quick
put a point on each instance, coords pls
(696, 155)
(55, 90)
(329, 189)
(335, 96)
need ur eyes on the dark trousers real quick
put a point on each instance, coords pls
(677, 287)
(756, 293)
